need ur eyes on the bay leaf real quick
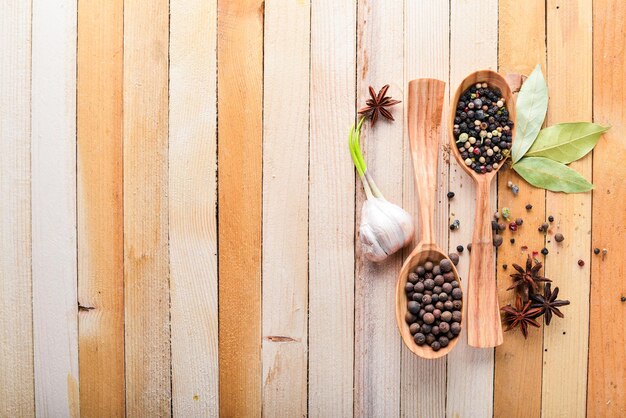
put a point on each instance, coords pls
(551, 175)
(566, 142)
(531, 107)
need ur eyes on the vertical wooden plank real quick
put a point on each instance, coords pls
(331, 209)
(192, 208)
(606, 396)
(569, 26)
(16, 351)
(54, 271)
(240, 135)
(426, 54)
(285, 226)
(473, 46)
(521, 48)
(377, 345)
(100, 208)
(146, 266)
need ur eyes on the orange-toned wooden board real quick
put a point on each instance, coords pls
(569, 78)
(606, 396)
(521, 48)
(146, 263)
(240, 96)
(100, 208)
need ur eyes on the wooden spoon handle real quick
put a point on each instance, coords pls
(425, 107)
(484, 328)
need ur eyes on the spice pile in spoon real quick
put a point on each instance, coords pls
(482, 128)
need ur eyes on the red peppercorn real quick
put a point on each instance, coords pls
(581, 263)
(483, 169)
(476, 151)
(513, 226)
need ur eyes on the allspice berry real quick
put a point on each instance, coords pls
(446, 316)
(436, 346)
(445, 265)
(419, 339)
(559, 237)
(454, 258)
(497, 240)
(413, 307)
(457, 293)
(429, 318)
(414, 328)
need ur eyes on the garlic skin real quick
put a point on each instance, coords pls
(385, 228)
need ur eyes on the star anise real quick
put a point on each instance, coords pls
(548, 304)
(529, 278)
(521, 315)
(378, 104)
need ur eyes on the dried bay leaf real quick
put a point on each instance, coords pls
(531, 107)
(551, 175)
(566, 142)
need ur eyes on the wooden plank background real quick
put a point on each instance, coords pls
(179, 213)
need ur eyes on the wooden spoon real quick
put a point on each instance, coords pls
(484, 328)
(425, 106)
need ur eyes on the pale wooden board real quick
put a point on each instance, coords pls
(521, 48)
(473, 46)
(331, 209)
(240, 134)
(53, 166)
(146, 267)
(569, 62)
(606, 395)
(192, 208)
(16, 350)
(426, 54)
(376, 340)
(100, 208)
(285, 208)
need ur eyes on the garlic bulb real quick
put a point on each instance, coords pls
(385, 227)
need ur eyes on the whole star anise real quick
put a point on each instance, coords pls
(528, 279)
(521, 315)
(548, 304)
(378, 104)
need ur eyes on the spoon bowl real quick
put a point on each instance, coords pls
(420, 255)
(484, 328)
(424, 123)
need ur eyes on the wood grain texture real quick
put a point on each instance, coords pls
(17, 392)
(606, 395)
(376, 343)
(100, 208)
(521, 48)
(240, 135)
(192, 208)
(331, 209)
(569, 62)
(484, 329)
(474, 38)
(53, 166)
(285, 208)
(426, 54)
(146, 263)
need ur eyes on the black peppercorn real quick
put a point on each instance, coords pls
(459, 248)
(505, 266)
(512, 240)
(551, 218)
(450, 195)
(596, 251)
(544, 251)
(581, 263)
(469, 247)
(529, 206)
(519, 221)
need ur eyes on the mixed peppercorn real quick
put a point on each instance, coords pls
(482, 128)
(434, 303)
